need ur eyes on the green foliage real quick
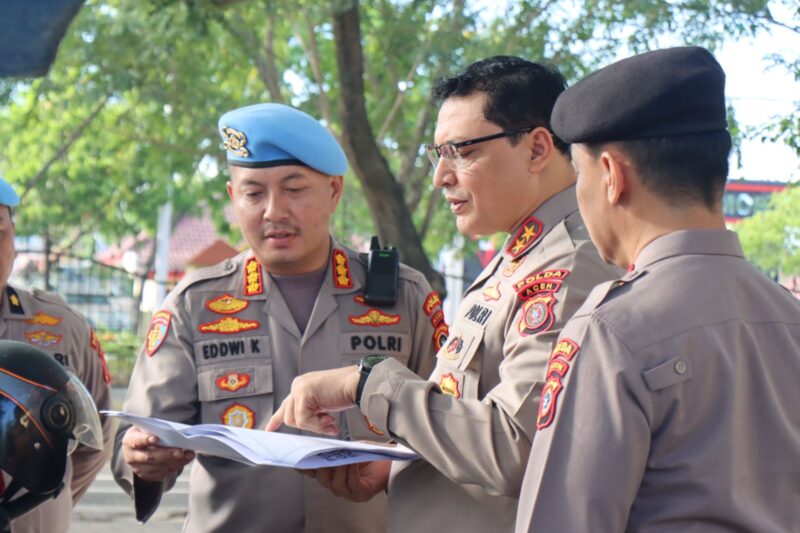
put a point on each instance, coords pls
(771, 238)
(127, 115)
(120, 349)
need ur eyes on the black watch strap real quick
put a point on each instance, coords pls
(365, 366)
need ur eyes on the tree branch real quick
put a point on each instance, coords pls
(312, 52)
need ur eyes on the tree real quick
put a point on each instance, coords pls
(128, 112)
(771, 238)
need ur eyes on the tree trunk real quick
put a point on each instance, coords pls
(383, 192)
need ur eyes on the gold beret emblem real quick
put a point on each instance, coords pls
(235, 141)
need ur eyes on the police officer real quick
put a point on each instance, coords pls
(230, 338)
(501, 169)
(45, 321)
(47, 412)
(671, 396)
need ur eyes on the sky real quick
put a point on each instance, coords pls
(759, 94)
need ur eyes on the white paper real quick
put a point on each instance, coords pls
(256, 447)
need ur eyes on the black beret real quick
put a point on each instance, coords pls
(663, 93)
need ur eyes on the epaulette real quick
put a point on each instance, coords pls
(220, 270)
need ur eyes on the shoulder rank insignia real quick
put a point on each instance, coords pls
(537, 315)
(525, 237)
(374, 318)
(43, 319)
(440, 335)
(235, 141)
(228, 325)
(240, 416)
(341, 270)
(449, 385)
(226, 305)
(491, 292)
(557, 369)
(42, 338)
(14, 305)
(157, 332)
(431, 302)
(233, 381)
(253, 278)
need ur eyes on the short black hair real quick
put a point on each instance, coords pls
(680, 168)
(520, 93)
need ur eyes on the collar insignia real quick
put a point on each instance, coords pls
(341, 270)
(526, 236)
(253, 278)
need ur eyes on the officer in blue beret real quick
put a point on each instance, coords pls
(230, 338)
(45, 321)
(673, 394)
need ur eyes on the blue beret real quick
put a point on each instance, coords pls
(8, 196)
(663, 93)
(270, 135)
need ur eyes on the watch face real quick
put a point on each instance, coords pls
(370, 361)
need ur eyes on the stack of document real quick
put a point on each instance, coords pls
(255, 447)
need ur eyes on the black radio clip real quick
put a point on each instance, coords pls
(383, 273)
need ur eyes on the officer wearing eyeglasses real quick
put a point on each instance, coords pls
(501, 170)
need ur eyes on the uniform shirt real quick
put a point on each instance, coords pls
(473, 421)
(225, 349)
(45, 321)
(673, 401)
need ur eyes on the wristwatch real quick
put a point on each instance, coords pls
(365, 366)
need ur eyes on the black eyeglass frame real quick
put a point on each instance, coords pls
(429, 148)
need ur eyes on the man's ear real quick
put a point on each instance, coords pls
(617, 176)
(337, 188)
(229, 186)
(541, 146)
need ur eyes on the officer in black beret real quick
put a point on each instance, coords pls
(670, 401)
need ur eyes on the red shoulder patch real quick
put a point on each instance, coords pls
(557, 370)
(159, 326)
(431, 302)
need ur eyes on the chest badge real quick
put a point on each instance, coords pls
(537, 315)
(492, 292)
(233, 381)
(228, 326)
(374, 318)
(449, 385)
(42, 338)
(454, 347)
(43, 319)
(157, 332)
(240, 416)
(226, 305)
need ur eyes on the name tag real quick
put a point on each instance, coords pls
(224, 349)
(381, 343)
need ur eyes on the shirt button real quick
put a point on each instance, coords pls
(680, 367)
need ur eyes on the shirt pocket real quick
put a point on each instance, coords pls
(357, 344)
(676, 370)
(238, 394)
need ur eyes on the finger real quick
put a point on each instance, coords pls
(136, 438)
(339, 481)
(276, 420)
(354, 477)
(324, 477)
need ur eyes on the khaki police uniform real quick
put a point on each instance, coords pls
(45, 321)
(225, 349)
(671, 402)
(475, 432)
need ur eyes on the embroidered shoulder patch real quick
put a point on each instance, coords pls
(42, 338)
(240, 416)
(228, 326)
(449, 385)
(253, 277)
(526, 236)
(431, 302)
(159, 326)
(437, 318)
(440, 336)
(537, 315)
(374, 318)
(341, 270)
(557, 370)
(43, 319)
(233, 381)
(226, 305)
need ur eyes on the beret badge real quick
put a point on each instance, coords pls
(235, 141)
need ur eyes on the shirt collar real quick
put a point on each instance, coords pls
(689, 242)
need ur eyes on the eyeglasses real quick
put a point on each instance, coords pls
(451, 153)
